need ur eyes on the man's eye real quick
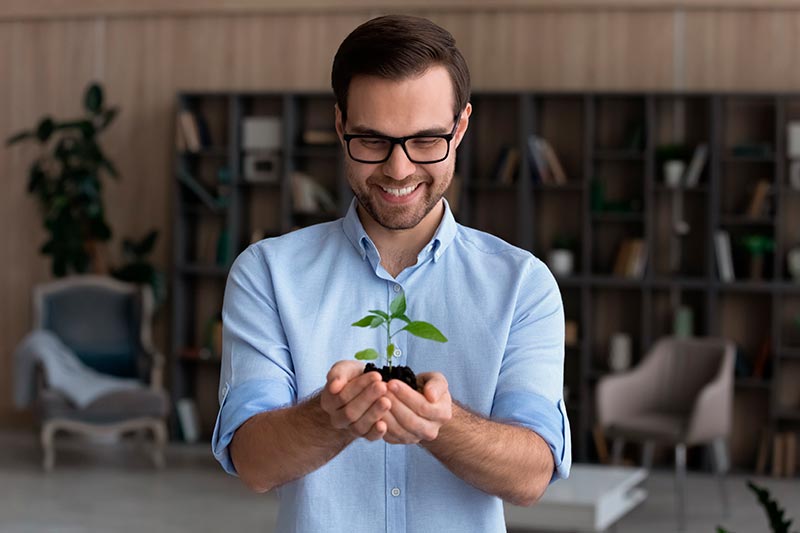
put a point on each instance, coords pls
(425, 141)
(373, 143)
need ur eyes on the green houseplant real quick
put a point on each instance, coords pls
(377, 318)
(66, 179)
(775, 513)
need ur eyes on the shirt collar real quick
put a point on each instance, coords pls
(358, 237)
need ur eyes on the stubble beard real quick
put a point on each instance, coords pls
(403, 217)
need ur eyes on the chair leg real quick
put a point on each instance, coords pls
(719, 449)
(48, 446)
(159, 443)
(647, 454)
(616, 451)
(680, 485)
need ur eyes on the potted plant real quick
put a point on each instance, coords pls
(757, 246)
(376, 318)
(66, 179)
(138, 268)
(775, 513)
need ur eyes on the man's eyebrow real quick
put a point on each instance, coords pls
(364, 130)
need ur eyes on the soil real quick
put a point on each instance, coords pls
(402, 373)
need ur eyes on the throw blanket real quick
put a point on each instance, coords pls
(63, 370)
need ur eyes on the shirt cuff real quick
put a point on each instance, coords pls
(238, 405)
(543, 417)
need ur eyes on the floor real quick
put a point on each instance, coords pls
(116, 490)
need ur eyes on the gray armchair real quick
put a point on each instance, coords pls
(680, 395)
(107, 325)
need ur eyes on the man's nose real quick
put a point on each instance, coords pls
(398, 166)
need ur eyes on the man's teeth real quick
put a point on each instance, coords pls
(400, 192)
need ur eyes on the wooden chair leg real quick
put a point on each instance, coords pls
(159, 430)
(48, 446)
(680, 485)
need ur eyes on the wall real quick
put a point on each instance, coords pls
(145, 52)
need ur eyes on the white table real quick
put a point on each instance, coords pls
(593, 498)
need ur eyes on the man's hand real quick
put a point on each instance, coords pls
(356, 401)
(416, 417)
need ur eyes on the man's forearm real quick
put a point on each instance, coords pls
(276, 447)
(511, 462)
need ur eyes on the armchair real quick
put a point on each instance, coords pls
(680, 395)
(107, 325)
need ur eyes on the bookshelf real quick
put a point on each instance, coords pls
(612, 147)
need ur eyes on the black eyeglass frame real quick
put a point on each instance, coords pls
(402, 142)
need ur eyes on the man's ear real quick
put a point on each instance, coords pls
(463, 124)
(339, 124)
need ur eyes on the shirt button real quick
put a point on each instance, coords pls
(397, 352)
(395, 492)
(396, 288)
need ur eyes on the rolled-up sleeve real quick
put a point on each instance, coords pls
(530, 385)
(257, 374)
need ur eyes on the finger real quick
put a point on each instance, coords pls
(395, 432)
(421, 428)
(344, 370)
(377, 431)
(372, 416)
(353, 410)
(351, 389)
(411, 398)
(434, 386)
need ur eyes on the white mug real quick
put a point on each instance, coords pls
(793, 263)
(673, 173)
(620, 357)
(560, 261)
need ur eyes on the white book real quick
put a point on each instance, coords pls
(722, 241)
(189, 419)
(692, 177)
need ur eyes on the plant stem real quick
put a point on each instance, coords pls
(389, 341)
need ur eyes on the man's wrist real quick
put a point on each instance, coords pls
(318, 418)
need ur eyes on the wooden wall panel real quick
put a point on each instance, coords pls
(144, 60)
(743, 50)
(44, 67)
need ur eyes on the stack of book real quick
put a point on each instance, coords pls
(631, 258)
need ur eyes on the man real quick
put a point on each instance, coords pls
(346, 451)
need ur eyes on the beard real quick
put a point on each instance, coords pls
(402, 217)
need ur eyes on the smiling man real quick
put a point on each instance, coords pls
(344, 450)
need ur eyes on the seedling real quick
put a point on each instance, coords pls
(376, 318)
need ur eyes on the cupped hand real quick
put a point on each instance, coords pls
(415, 417)
(355, 401)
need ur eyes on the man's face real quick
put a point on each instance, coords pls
(398, 194)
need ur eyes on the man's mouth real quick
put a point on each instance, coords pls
(399, 193)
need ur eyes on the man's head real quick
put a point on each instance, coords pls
(398, 47)
(400, 76)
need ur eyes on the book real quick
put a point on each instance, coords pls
(551, 159)
(722, 242)
(190, 131)
(540, 172)
(790, 454)
(695, 169)
(763, 452)
(210, 200)
(758, 201)
(638, 259)
(622, 259)
(509, 168)
(762, 358)
(189, 419)
(320, 137)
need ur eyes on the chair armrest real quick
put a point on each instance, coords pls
(712, 410)
(157, 362)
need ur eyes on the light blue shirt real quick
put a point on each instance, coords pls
(289, 303)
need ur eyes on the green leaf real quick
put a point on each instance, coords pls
(19, 137)
(390, 351)
(45, 129)
(379, 313)
(398, 305)
(36, 178)
(404, 318)
(93, 101)
(366, 355)
(369, 321)
(107, 117)
(146, 245)
(425, 330)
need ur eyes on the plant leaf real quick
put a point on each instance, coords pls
(93, 101)
(425, 331)
(145, 246)
(19, 137)
(45, 129)
(775, 513)
(379, 313)
(398, 305)
(404, 318)
(369, 321)
(366, 355)
(390, 351)
(107, 117)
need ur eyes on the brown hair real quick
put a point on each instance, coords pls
(397, 47)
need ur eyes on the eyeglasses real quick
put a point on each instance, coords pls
(420, 149)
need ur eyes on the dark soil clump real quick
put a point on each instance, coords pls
(401, 373)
